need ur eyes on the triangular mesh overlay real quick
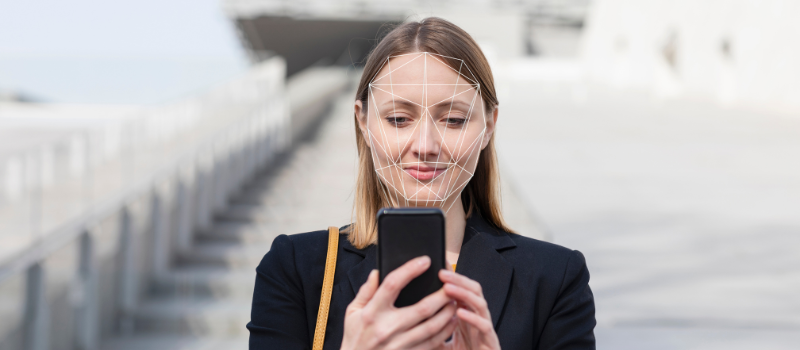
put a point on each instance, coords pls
(425, 126)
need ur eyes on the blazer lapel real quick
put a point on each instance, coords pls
(481, 261)
(359, 273)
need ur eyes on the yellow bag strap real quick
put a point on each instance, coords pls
(327, 288)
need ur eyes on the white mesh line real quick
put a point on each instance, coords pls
(378, 71)
(469, 118)
(449, 189)
(455, 89)
(473, 80)
(401, 66)
(397, 170)
(386, 148)
(417, 104)
(460, 131)
(377, 113)
(449, 98)
(452, 171)
(437, 176)
(398, 96)
(407, 54)
(411, 163)
(420, 84)
(455, 185)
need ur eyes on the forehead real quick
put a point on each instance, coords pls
(423, 76)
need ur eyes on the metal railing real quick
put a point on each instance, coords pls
(88, 218)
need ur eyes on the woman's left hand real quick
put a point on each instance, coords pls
(475, 329)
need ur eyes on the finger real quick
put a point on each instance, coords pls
(427, 330)
(438, 339)
(396, 280)
(423, 309)
(471, 300)
(461, 280)
(367, 290)
(482, 324)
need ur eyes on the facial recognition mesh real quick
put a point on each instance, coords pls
(426, 123)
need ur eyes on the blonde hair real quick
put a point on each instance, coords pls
(482, 193)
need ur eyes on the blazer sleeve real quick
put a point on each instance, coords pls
(571, 322)
(277, 318)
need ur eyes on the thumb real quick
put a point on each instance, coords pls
(367, 290)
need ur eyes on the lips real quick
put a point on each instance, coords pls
(423, 172)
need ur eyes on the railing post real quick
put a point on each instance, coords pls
(260, 144)
(127, 273)
(248, 156)
(255, 143)
(234, 160)
(86, 325)
(250, 146)
(222, 173)
(204, 186)
(208, 190)
(160, 226)
(185, 207)
(212, 184)
(37, 313)
(244, 152)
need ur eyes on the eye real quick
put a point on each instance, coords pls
(398, 120)
(455, 121)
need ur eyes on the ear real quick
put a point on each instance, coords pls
(361, 118)
(490, 125)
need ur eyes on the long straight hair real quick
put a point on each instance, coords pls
(482, 193)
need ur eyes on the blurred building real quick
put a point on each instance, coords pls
(319, 32)
(732, 51)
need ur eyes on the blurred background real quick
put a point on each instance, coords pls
(151, 150)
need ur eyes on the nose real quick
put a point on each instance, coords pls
(426, 142)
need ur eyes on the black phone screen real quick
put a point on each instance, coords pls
(407, 233)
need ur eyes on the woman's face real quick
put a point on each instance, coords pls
(425, 124)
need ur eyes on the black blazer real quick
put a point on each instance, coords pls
(538, 293)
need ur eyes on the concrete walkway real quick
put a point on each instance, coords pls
(688, 214)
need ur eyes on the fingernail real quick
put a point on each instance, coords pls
(447, 273)
(423, 260)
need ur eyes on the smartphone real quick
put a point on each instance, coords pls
(407, 233)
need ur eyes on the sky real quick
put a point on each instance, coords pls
(116, 52)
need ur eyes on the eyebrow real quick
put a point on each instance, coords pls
(412, 104)
(400, 102)
(446, 103)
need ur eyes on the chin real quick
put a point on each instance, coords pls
(425, 198)
(424, 203)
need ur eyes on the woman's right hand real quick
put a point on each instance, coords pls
(373, 322)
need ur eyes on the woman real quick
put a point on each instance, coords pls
(425, 113)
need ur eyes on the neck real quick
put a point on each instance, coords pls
(455, 223)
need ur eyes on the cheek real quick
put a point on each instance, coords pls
(464, 146)
(383, 147)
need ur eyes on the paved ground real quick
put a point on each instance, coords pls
(689, 215)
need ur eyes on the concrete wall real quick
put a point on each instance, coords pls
(738, 52)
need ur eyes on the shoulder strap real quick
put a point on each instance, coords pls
(327, 288)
